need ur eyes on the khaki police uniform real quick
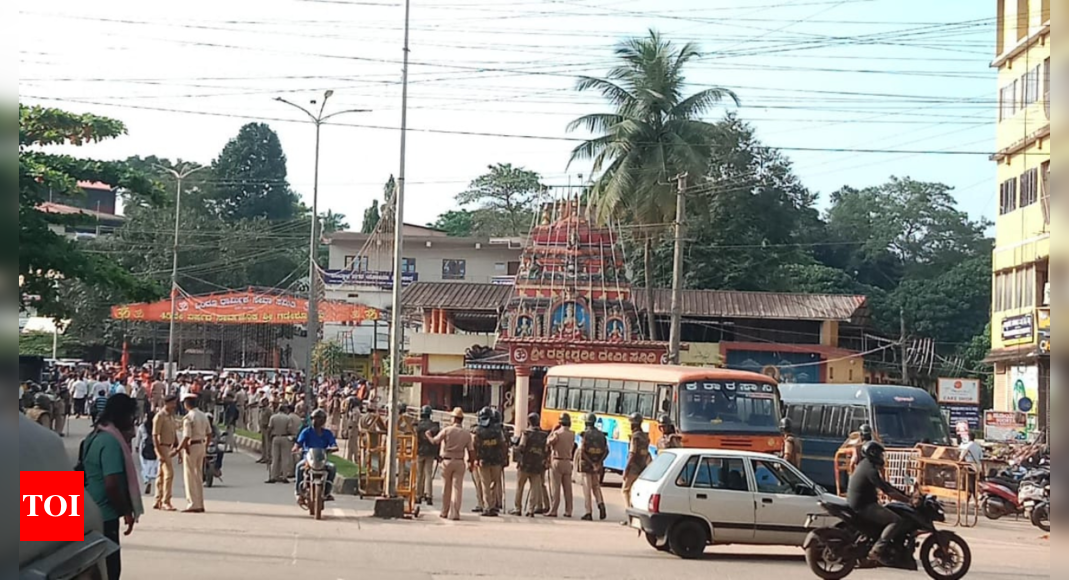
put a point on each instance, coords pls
(281, 446)
(561, 446)
(531, 468)
(428, 456)
(165, 434)
(264, 415)
(593, 452)
(492, 451)
(792, 450)
(638, 458)
(456, 443)
(197, 430)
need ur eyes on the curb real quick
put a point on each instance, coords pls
(342, 485)
(248, 444)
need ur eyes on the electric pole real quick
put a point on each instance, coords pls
(313, 244)
(179, 176)
(675, 337)
(905, 347)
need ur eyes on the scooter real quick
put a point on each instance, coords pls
(1041, 514)
(1001, 495)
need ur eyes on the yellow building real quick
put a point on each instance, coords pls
(1021, 279)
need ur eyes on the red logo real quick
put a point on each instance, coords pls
(52, 506)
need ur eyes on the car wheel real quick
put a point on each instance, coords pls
(656, 543)
(688, 539)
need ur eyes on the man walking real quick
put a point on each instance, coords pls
(456, 443)
(281, 445)
(593, 452)
(533, 451)
(79, 392)
(264, 415)
(428, 456)
(165, 439)
(638, 455)
(562, 446)
(491, 449)
(198, 432)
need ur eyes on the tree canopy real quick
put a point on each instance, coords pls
(503, 200)
(250, 178)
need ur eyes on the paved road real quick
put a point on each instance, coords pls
(255, 531)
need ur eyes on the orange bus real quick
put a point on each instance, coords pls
(711, 408)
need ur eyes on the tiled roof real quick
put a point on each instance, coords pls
(696, 303)
(456, 296)
(756, 305)
(61, 209)
(94, 185)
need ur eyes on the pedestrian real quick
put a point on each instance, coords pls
(99, 402)
(352, 433)
(231, 414)
(562, 447)
(593, 452)
(79, 392)
(532, 458)
(165, 438)
(456, 445)
(146, 446)
(638, 455)
(491, 450)
(281, 445)
(60, 409)
(670, 439)
(792, 446)
(110, 476)
(158, 393)
(264, 416)
(197, 432)
(427, 454)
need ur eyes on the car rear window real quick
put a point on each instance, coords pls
(659, 467)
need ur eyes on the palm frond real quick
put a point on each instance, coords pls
(700, 103)
(596, 122)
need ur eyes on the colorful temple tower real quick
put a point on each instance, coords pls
(572, 302)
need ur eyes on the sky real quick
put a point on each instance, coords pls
(828, 81)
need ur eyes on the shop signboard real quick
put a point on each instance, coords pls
(1024, 388)
(959, 391)
(1005, 427)
(963, 414)
(1043, 327)
(1018, 330)
(366, 278)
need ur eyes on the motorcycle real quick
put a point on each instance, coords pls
(1041, 512)
(211, 457)
(834, 553)
(314, 483)
(1006, 495)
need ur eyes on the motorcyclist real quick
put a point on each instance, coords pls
(863, 497)
(316, 437)
(866, 435)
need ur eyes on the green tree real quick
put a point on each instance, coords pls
(374, 214)
(46, 256)
(504, 200)
(456, 223)
(250, 178)
(653, 134)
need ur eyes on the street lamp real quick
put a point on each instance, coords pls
(313, 246)
(179, 176)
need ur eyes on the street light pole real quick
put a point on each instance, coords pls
(313, 245)
(179, 176)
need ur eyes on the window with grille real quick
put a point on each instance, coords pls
(1029, 187)
(1008, 101)
(1008, 197)
(1030, 89)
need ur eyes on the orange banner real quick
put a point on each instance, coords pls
(244, 308)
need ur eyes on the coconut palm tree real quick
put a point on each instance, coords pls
(654, 134)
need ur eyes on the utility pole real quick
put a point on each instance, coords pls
(905, 347)
(675, 336)
(313, 244)
(179, 176)
(391, 504)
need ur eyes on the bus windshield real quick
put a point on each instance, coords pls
(908, 426)
(712, 407)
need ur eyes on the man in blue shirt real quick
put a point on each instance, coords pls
(316, 437)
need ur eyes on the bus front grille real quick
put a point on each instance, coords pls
(737, 443)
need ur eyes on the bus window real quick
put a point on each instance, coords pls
(645, 405)
(833, 422)
(551, 398)
(586, 404)
(647, 387)
(614, 403)
(588, 383)
(796, 413)
(631, 386)
(575, 396)
(664, 399)
(858, 416)
(616, 385)
(630, 403)
(814, 418)
(601, 384)
(601, 401)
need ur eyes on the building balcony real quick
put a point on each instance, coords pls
(447, 344)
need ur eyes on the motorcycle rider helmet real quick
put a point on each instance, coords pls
(866, 432)
(874, 452)
(319, 415)
(426, 412)
(635, 418)
(786, 425)
(534, 420)
(591, 420)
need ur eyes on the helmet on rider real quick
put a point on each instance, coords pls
(786, 425)
(874, 452)
(426, 412)
(866, 432)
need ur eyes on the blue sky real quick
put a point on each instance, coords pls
(906, 75)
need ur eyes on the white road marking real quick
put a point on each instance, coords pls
(296, 545)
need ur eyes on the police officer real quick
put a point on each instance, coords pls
(498, 421)
(561, 447)
(670, 439)
(264, 416)
(531, 461)
(426, 430)
(593, 452)
(491, 451)
(41, 413)
(638, 455)
(792, 446)
(865, 433)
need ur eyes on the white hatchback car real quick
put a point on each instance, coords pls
(688, 499)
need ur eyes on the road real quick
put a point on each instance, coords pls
(255, 531)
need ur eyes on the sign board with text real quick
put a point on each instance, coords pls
(1005, 426)
(547, 355)
(1017, 330)
(959, 391)
(963, 414)
(366, 278)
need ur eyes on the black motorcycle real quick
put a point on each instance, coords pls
(314, 482)
(834, 553)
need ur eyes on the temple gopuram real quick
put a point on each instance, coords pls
(572, 301)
